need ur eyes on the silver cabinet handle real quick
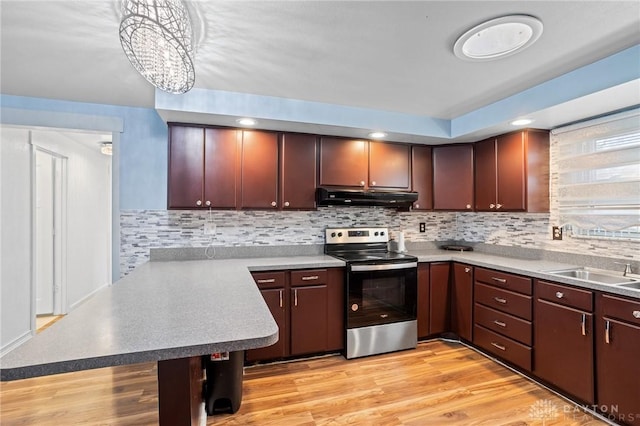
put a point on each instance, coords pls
(267, 280)
(361, 183)
(491, 206)
(468, 206)
(583, 324)
(295, 297)
(286, 204)
(607, 335)
(502, 348)
(636, 314)
(198, 203)
(500, 300)
(208, 203)
(281, 301)
(499, 323)
(417, 206)
(310, 278)
(467, 270)
(500, 280)
(559, 294)
(498, 206)
(273, 204)
(373, 183)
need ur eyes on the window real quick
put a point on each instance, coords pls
(598, 167)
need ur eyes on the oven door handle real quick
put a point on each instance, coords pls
(383, 267)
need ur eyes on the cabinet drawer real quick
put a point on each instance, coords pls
(308, 277)
(503, 347)
(508, 325)
(273, 279)
(566, 296)
(623, 309)
(504, 300)
(504, 280)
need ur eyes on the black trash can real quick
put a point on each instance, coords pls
(223, 385)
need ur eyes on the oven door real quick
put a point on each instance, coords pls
(381, 293)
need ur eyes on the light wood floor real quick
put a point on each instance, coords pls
(45, 321)
(440, 383)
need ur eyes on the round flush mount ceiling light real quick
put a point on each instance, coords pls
(521, 122)
(246, 121)
(498, 38)
(377, 135)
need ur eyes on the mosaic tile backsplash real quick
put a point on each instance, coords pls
(141, 230)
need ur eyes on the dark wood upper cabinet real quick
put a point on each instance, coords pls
(389, 165)
(186, 167)
(298, 171)
(453, 177)
(512, 172)
(259, 174)
(422, 176)
(221, 164)
(343, 162)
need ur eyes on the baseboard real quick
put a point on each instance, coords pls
(87, 297)
(15, 343)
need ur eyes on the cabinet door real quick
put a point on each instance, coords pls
(298, 171)
(511, 172)
(423, 300)
(275, 299)
(453, 177)
(343, 162)
(221, 155)
(563, 354)
(389, 165)
(186, 167)
(439, 297)
(308, 319)
(486, 178)
(422, 177)
(462, 301)
(259, 174)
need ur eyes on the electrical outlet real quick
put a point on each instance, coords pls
(209, 228)
(556, 232)
(423, 227)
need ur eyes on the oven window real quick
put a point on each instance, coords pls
(381, 297)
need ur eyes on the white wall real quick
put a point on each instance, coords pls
(15, 230)
(88, 222)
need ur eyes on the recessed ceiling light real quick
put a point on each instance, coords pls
(521, 122)
(377, 135)
(498, 38)
(246, 121)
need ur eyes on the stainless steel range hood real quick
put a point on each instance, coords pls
(355, 197)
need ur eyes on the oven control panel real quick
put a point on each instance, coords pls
(356, 235)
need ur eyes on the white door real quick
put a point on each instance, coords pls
(44, 238)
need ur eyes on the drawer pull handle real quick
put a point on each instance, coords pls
(607, 332)
(500, 300)
(281, 301)
(310, 278)
(502, 348)
(636, 314)
(500, 323)
(500, 280)
(559, 294)
(267, 280)
(583, 324)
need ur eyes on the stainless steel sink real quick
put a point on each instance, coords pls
(634, 285)
(596, 277)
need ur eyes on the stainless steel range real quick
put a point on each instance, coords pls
(381, 291)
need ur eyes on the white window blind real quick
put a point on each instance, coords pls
(599, 176)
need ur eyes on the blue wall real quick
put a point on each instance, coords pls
(140, 157)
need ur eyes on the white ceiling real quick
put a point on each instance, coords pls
(390, 56)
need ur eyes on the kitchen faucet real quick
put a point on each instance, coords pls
(627, 268)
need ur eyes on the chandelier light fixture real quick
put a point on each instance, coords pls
(157, 37)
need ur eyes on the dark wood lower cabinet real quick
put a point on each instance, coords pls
(563, 353)
(618, 358)
(439, 297)
(462, 301)
(423, 300)
(275, 300)
(309, 319)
